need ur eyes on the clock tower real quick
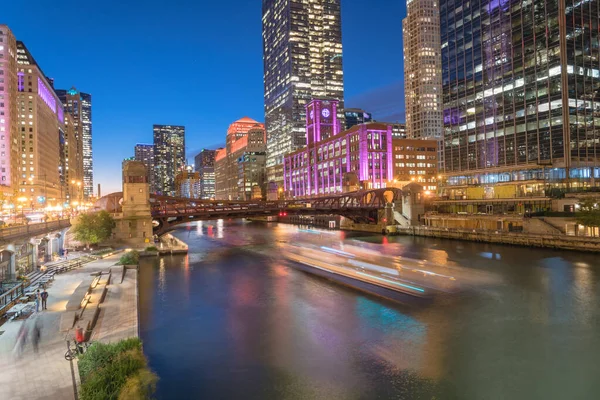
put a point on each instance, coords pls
(321, 120)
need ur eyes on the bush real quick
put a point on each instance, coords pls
(151, 248)
(115, 371)
(102, 252)
(130, 258)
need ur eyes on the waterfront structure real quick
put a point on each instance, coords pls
(41, 122)
(79, 105)
(187, 184)
(240, 166)
(356, 116)
(415, 161)
(133, 225)
(302, 55)
(204, 164)
(169, 156)
(321, 168)
(9, 126)
(423, 69)
(145, 153)
(520, 100)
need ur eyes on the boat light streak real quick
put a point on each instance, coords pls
(392, 282)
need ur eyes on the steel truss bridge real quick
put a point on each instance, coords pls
(361, 207)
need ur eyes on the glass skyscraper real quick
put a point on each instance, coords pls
(169, 157)
(302, 54)
(145, 153)
(521, 86)
(79, 105)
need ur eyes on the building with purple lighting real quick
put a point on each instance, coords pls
(41, 135)
(331, 156)
(9, 157)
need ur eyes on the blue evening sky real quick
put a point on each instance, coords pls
(196, 63)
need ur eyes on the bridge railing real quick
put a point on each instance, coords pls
(33, 229)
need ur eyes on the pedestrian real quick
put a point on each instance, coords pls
(37, 300)
(21, 339)
(36, 333)
(44, 297)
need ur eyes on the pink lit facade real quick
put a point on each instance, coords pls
(321, 167)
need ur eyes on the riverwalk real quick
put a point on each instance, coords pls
(47, 375)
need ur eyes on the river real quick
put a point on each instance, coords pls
(234, 320)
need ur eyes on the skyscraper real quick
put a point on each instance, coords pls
(42, 130)
(204, 164)
(302, 55)
(521, 97)
(356, 116)
(9, 128)
(145, 154)
(79, 105)
(423, 69)
(241, 164)
(169, 156)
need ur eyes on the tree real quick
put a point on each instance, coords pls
(93, 228)
(590, 214)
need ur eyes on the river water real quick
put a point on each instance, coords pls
(234, 320)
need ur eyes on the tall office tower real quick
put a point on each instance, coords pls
(356, 116)
(41, 123)
(169, 156)
(302, 55)
(521, 98)
(9, 127)
(72, 175)
(241, 164)
(204, 164)
(145, 154)
(423, 69)
(79, 105)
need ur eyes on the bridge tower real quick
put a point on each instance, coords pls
(134, 225)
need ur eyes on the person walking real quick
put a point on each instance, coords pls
(36, 333)
(44, 297)
(37, 301)
(21, 340)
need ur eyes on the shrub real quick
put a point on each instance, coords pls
(139, 387)
(130, 258)
(111, 371)
(151, 248)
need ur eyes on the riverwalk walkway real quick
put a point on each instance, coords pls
(47, 375)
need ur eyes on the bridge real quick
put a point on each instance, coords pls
(360, 207)
(11, 233)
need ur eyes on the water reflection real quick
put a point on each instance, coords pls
(235, 320)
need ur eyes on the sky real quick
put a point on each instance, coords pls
(196, 63)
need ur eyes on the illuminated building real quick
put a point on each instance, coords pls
(322, 166)
(415, 160)
(240, 166)
(41, 122)
(521, 84)
(422, 69)
(356, 116)
(302, 55)
(9, 126)
(145, 153)
(204, 164)
(187, 184)
(72, 178)
(169, 157)
(79, 105)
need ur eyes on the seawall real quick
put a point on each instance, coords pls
(562, 242)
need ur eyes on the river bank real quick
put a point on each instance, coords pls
(549, 241)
